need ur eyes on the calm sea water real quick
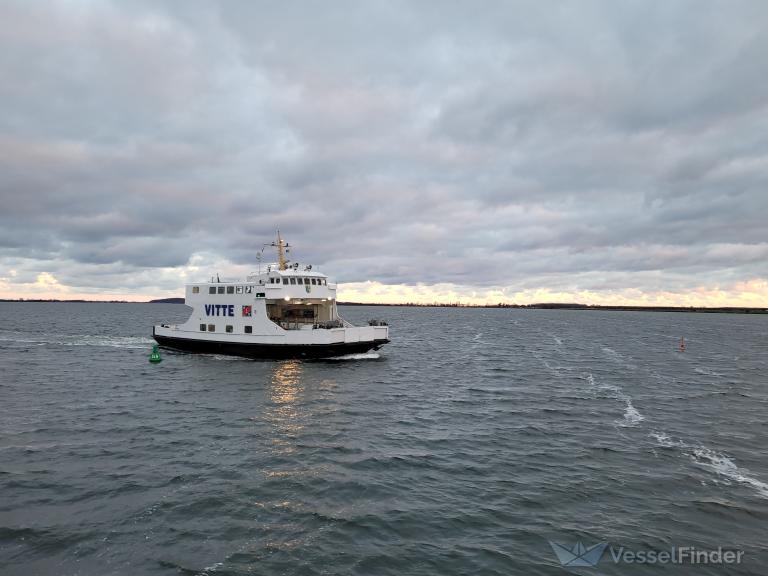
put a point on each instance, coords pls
(463, 447)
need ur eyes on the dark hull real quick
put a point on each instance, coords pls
(268, 351)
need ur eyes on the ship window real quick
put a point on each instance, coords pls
(195, 289)
(239, 290)
(293, 280)
(249, 329)
(212, 290)
(211, 328)
(313, 281)
(248, 289)
(285, 280)
(229, 328)
(230, 289)
(299, 281)
(202, 327)
(221, 289)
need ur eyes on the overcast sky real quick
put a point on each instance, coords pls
(598, 152)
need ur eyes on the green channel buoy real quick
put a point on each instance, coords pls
(155, 356)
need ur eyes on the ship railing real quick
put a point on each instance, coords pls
(327, 325)
(322, 325)
(293, 323)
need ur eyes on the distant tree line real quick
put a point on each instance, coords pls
(573, 306)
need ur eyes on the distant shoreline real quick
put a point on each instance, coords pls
(541, 306)
(558, 306)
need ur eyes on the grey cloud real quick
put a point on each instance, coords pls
(589, 144)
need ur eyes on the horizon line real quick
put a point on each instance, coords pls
(537, 305)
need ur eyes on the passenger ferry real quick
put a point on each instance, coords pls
(286, 311)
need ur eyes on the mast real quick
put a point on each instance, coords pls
(283, 264)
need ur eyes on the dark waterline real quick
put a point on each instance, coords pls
(462, 447)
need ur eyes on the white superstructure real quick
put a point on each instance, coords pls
(284, 310)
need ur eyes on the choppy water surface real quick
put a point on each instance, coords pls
(462, 448)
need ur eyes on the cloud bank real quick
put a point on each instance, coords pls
(597, 152)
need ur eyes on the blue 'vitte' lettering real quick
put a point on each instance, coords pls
(220, 310)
